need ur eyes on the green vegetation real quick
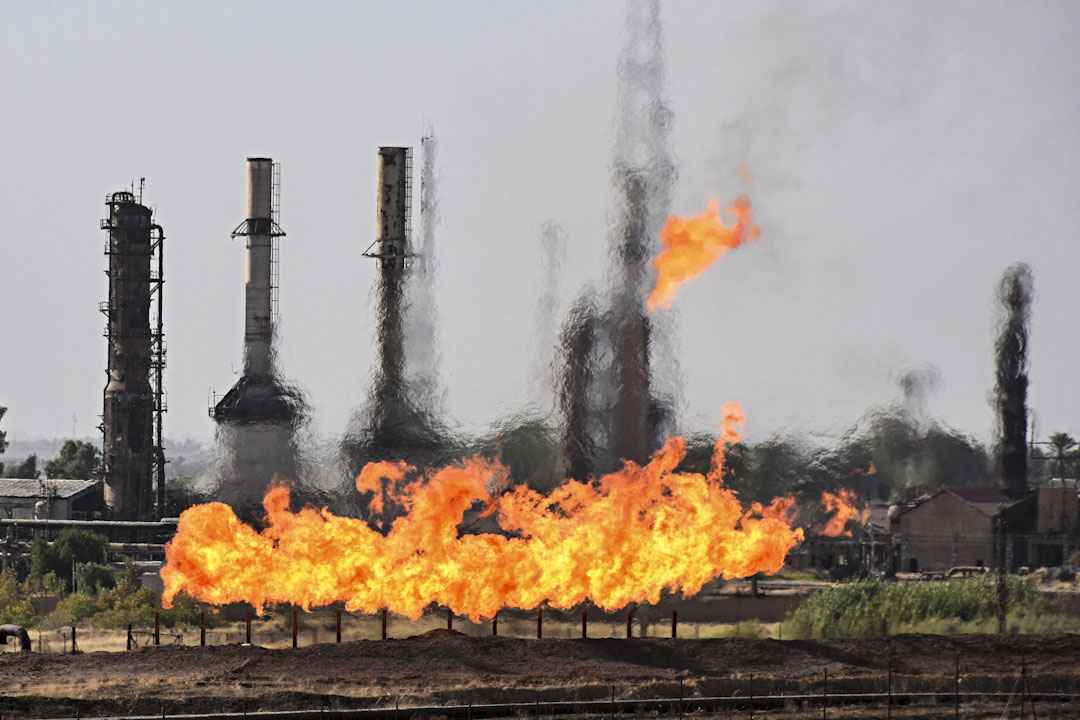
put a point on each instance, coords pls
(107, 599)
(27, 469)
(77, 459)
(873, 608)
(51, 564)
(15, 607)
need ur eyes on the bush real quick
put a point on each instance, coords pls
(94, 577)
(72, 610)
(72, 546)
(14, 607)
(869, 608)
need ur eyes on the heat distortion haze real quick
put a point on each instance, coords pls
(513, 365)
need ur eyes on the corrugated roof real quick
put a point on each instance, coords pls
(31, 488)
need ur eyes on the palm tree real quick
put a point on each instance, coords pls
(1063, 443)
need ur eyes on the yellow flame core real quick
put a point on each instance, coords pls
(623, 538)
(693, 244)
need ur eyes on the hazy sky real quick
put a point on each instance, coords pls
(903, 155)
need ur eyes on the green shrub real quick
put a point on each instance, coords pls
(71, 547)
(868, 608)
(15, 608)
(72, 610)
(94, 577)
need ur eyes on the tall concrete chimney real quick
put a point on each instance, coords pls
(260, 229)
(391, 239)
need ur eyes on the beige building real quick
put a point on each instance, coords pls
(951, 528)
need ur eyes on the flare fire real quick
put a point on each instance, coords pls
(623, 538)
(693, 244)
(842, 504)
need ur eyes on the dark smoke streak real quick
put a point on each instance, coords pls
(1014, 296)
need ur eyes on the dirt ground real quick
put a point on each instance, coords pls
(447, 667)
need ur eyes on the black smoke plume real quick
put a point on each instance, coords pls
(1014, 296)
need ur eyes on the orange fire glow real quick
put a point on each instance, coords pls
(842, 505)
(693, 244)
(623, 538)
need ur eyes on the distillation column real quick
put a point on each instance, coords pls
(130, 448)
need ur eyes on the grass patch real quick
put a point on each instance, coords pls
(874, 608)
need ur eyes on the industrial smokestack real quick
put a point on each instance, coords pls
(261, 232)
(391, 425)
(258, 417)
(391, 250)
(1014, 297)
(133, 459)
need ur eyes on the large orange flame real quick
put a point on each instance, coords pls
(842, 505)
(623, 538)
(693, 244)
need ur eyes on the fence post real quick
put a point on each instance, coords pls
(888, 707)
(339, 626)
(751, 696)
(449, 619)
(202, 629)
(294, 628)
(825, 694)
(157, 628)
(629, 620)
(128, 639)
(584, 623)
(495, 624)
(956, 689)
(74, 647)
(674, 623)
(540, 622)
(384, 623)
(248, 627)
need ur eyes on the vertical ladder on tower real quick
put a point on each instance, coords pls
(275, 249)
(408, 204)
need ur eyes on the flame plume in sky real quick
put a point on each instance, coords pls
(842, 505)
(623, 538)
(693, 244)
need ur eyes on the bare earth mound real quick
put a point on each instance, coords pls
(445, 667)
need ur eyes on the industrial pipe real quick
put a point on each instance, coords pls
(17, 632)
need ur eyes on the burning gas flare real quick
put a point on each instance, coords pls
(623, 538)
(693, 244)
(842, 505)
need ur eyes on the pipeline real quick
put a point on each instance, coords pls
(15, 631)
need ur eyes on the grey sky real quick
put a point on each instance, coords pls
(903, 155)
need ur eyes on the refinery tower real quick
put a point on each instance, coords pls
(133, 460)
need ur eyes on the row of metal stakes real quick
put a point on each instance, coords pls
(449, 625)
